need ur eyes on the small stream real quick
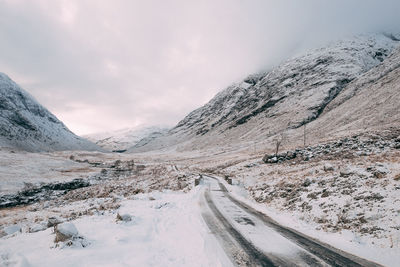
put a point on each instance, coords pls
(40, 193)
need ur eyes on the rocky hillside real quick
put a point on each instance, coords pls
(370, 102)
(126, 138)
(289, 96)
(27, 125)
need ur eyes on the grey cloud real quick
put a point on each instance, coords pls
(103, 65)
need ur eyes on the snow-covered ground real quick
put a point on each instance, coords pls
(166, 229)
(164, 226)
(18, 169)
(161, 218)
(352, 204)
(374, 249)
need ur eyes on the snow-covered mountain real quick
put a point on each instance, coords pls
(125, 138)
(286, 97)
(370, 102)
(27, 125)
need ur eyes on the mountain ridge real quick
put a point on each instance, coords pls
(124, 139)
(25, 124)
(294, 93)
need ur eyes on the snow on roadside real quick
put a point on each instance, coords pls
(166, 231)
(345, 240)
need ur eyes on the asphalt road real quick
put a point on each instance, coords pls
(251, 238)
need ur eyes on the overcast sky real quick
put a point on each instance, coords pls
(107, 65)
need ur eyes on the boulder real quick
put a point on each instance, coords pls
(9, 230)
(273, 160)
(53, 221)
(65, 231)
(37, 228)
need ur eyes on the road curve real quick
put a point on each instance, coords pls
(253, 239)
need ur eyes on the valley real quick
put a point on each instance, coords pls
(294, 166)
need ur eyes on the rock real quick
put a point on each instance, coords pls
(346, 172)
(37, 228)
(291, 155)
(325, 194)
(307, 182)
(124, 217)
(375, 196)
(362, 219)
(53, 221)
(328, 167)
(312, 195)
(273, 160)
(380, 170)
(9, 230)
(65, 231)
(359, 197)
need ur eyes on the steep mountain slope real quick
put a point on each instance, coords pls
(126, 138)
(287, 97)
(370, 102)
(26, 125)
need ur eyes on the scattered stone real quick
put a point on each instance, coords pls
(307, 182)
(374, 196)
(9, 230)
(380, 170)
(312, 195)
(65, 231)
(273, 160)
(346, 172)
(362, 219)
(325, 194)
(328, 167)
(37, 228)
(359, 197)
(124, 217)
(53, 221)
(348, 147)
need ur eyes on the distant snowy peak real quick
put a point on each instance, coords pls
(27, 125)
(123, 139)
